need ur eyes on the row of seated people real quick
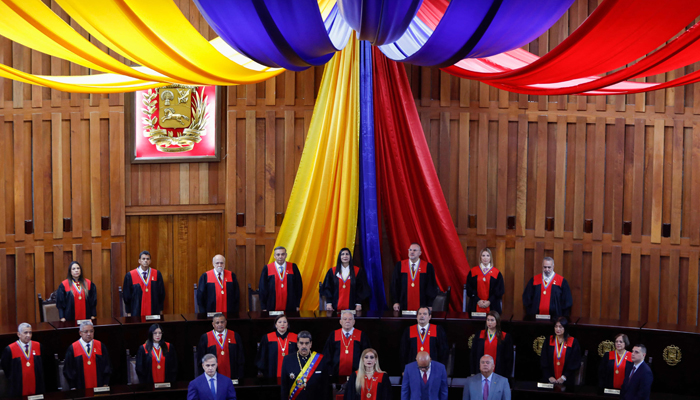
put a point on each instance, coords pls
(87, 363)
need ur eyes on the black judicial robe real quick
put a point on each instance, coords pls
(269, 285)
(65, 300)
(476, 284)
(424, 292)
(318, 386)
(383, 388)
(76, 361)
(269, 358)
(436, 340)
(135, 293)
(606, 370)
(145, 360)
(560, 300)
(572, 361)
(359, 287)
(334, 351)
(209, 288)
(14, 363)
(235, 354)
(504, 353)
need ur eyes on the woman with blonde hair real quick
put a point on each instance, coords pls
(485, 286)
(369, 381)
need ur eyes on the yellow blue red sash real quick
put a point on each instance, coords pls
(303, 377)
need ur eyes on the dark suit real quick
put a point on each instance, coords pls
(199, 388)
(639, 387)
(412, 385)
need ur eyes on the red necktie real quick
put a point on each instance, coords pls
(425, 377)
(221, 337)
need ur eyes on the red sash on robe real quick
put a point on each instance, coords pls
(491, 348)
(412, 292)
(344, 289)
(559, 368)
(136, 277)
(158, 374)
(291, 338)
(483, 284)
(345, 366)
(619, 374)
(377, 379)
(79, 299)
(221, 294)
(415, 333)
(546, 292)
(89, 370)
(280, 286)
(28, 371)
(222, 359)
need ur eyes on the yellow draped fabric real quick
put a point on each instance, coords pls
(321, 216)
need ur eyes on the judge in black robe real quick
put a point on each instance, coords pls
(218, 289)
(378, 387)
(318, 385)
(488, 286)
(143, 289)
(23, 364)
(413, 282)
(434, 339)
(345, 339)
(499, 347)
(274, 346)
(556, 288)
(76, 296)
(554, 370)
(231, 362)
(85, 370)
(287, 285)
(610, 374)
(156, 355)
(352, 292)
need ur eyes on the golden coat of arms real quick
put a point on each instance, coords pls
(470, 341)
(537, 345)
(672, 355)
(605, 346)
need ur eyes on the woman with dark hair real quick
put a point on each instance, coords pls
(496, 343)
(274, 347)
(345, 286)
(369, 381)
(485, 285)
(76, 296)
(561, 355)
(616, 364)
(156, 361)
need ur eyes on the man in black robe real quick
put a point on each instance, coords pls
(87, 362)
(413, 282)
(424, 336)
(23, 365)
(314, 383)
(143, 289)
(548, 293)
(226, 345)
(345, 346)
(218, 289)
(280, 284)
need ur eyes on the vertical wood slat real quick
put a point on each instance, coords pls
(77, 138)
(424, 86)
(638, 181)
(692, 296)
(599, 178)
(502, 176)
(635, 283)
(541, 186)
(657, 181)
(519, 284)
(270, 91)
(4, 300)
(21, 163)
(677, 183)
(560, 178)
(289, 170)
(694, 228)
(118, 269)
(270, 171)
(117, 198)
(97, 278)
(613, 306)
(463, 198)
(95, 177)
(617, 174)
(3, 172)
(464, 92)
(596, 278)
(231, 180)
(21, 285)
(579, 178)
(36, 70)
(40, 285)
(521, 177)
(482, 174)
(670, 309)
(654, 279)
(40, 175)
(250, 172)
(445, 86)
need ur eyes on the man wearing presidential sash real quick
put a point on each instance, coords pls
(413, 283)
(226, 345)
(22, 364)
(87, 361)
(426, 337)
(144, 291)
(304, 374)
(218, 289)
(548, 293)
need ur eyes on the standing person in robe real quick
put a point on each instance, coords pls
(22, 363)
(426, 337)
(305, 373)
(485, 286)
(413, 283)
(156, 361)
(615, 365)
(280, 284)
(494, 342)
(274, 347)
(144, 290)
(76, 296)
(369, 381)
(226, 345)
(345, 286)
(218, 289)
(548, 293)
(345, 346)
(561, 355)
(87, 362)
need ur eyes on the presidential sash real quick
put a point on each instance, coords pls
(304, 375)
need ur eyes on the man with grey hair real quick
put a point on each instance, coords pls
(211, 383)
(218, 289)
(345, 346)
(87, 362)
(548, 293)
(304, 374)
(22, 364)
(487, 384)
(280, 284)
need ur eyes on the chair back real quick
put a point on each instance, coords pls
(321, 298)
(450, 367)
(197, 363)
(3, 382)
(464, 298)
(581, 374)
(512, 373)
(122, 306)
(253, 299)
(63, 384)
(132, 377)
(196, 303)
(47, 308)
(442, 300)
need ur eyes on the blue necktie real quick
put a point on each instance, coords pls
(211, 386)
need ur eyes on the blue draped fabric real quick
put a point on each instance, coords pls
(379, 21)
(368, 234)
(278, 33)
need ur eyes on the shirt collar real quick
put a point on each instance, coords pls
(488, 379)
(636, 366)
(280, 265)
(216, 334)
(141, 270)
(156, 345)
(411, 262)
(427, 326)
(211, 377)
(84, 343)
(350, 331)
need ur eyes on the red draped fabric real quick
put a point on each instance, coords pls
(411, 197)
